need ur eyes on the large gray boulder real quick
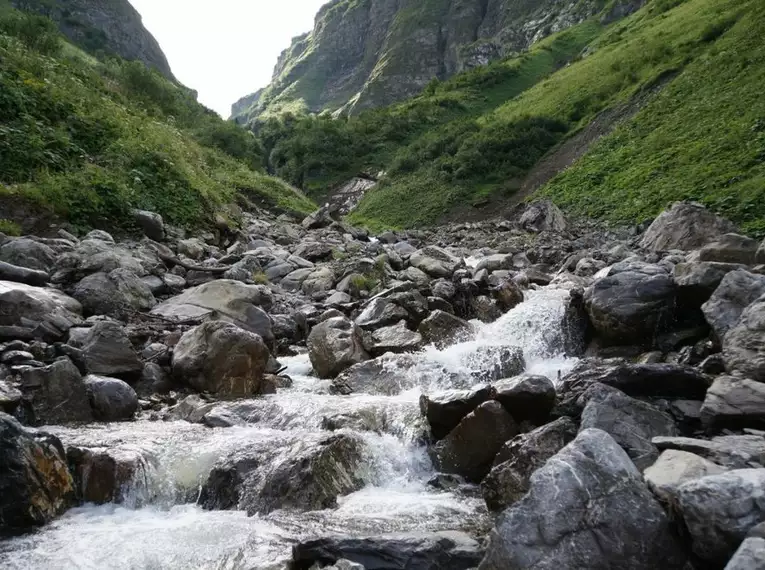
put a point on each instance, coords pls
(35, 484)
(221, 358)
(223, 300)
(380, 312)
(112, 399)
(697, 281)
(737, 290)
(675, 467)
(57, 393)
(108, 351)
(730, 248)
(115, 293)
(684, 226)
(634, 303)
(435, 261)
(734, 402)
(28, 253)
(719, 510)
(744, 344)
(39, 312)
(115, 474)
(517, 460)
(588, 507)
(470, 448)
(543, 216)
(334, 345)
(445, 410)
(443, 329)
(395, 338)
(527, 397)
(729, 451)
(749, 556)
(151, 223)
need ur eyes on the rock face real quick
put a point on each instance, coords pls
(335, 345)
(586, 508)
(744, 344)
(114, 27)
(684, 226)
(35, 484)
(374, 52)
(221, 358)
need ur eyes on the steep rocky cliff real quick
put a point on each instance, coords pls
(367, 53)
(112, 26)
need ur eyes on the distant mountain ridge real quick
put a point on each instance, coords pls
(369, 53)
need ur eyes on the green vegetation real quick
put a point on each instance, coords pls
(90, 140)
(474, 137)
(9, 228)
(260, 278)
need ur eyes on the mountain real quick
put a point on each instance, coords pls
(111, 26)
(368, 53)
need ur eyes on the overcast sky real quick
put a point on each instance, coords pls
(225, 49)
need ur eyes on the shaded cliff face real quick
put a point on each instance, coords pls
(112, 26)
(368, 53)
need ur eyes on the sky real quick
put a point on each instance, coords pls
(225, 49)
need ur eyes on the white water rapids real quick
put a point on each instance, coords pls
(157, 529)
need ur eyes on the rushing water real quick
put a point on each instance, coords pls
(158, 526)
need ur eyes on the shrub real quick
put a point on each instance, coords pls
(9, 228)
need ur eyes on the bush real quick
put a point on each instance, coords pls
(36, 32)
(9, 228)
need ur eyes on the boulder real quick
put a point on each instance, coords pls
(113, 293)
(192, 248)
(446, 550)
(9, 272)
(112, 399)
(35, 484)
(443, 329)
(321, 218)
(719, 510)
(527, 397)
(744, 343)
(223, 300)
(244, 270)
(696, 281)
(435, 261)
(543, 216)
(675, 467)
(335, 345)
(151, 224)
(684, 226)
(730, 451)
(28, 253)
(469, 449)
(749, 556)
(737, 290)
(492, 362)
(508, 294)
(587, 507)
(633, 304)
(318, 281)
(313, 251)
(735, 403)
(730, 248)
(114, 475)
(221, 358)
(632, 423)
(445, 410)
(380, 312)
(108, 351)
(57, 393)
(484, 309)
(395, 338)
(43, 313)
(518, 459)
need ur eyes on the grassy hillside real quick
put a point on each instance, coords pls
(89, 140)
(478, 134)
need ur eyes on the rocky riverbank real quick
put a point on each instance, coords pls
(534, 392)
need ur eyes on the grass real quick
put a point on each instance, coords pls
(88, 140)
(9, 228)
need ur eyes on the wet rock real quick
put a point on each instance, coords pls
(744, 344)
(193, 409)
(385, 375)
(42, 313)
(730, 248)
(108, 351)
(396, 338)
(57, 393)
(736, 292)
(673, 468)
(113, 293)
(587, 507)
(151, 223)
(527, 397)
(632, 423)
(221, 358)
(698, 280)
(485, 309)
(470, 448)
(543, 216)
(114, 475)
(334, 345)
(508, 295)
(446, 550)
(35, 484)
(28, 253)
(445, 410)
(443, 329)
(730, 451)
(734, 402)
(225, 300)
(632, 304)
(112, 399)
(380, 312)
(719, 510)
(684, 226)
(575, 325)
(509, 479)
(435, 261)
